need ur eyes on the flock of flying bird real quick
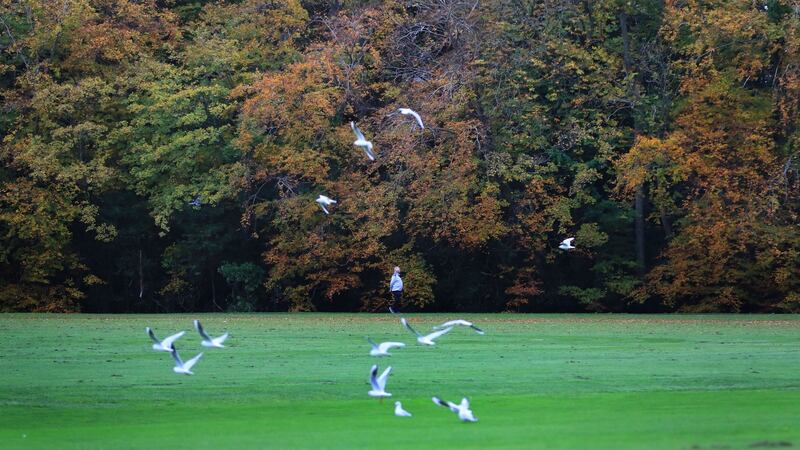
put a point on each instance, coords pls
(378, 382)
(325, 202)
(168, 345)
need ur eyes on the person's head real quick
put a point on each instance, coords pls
(396, 269)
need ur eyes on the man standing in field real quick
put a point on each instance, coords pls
(396, 288)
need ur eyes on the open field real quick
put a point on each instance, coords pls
(300, 381)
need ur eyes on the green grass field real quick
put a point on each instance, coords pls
(300, 381)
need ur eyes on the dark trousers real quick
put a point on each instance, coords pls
(397, 298)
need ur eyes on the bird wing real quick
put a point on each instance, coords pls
(167, 342)
(405, 324)
(373, 373)
(436, 334)
(221, 339)
(477, 329)
(152, 335)
(416, 116)
(368, 151)
(188, 365)
(357, 131)
(384, 346)
(384, 376)
(568, 241)
(176, 357)
(454, 323)
(452, 406)
(323, 207)
(202, 332)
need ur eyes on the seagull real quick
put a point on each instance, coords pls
(462, 409)
(411, 112)
(166, 344)
(362, 142)
(184, 367)
(428, 339)
(323, 201)
(379, 382)
(461, 322)
(195, 201)
(399, 411)
(208, 341)
(383, 348)
(566, 244)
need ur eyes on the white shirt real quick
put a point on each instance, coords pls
(396, 284)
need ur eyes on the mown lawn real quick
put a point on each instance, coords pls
(300, 381)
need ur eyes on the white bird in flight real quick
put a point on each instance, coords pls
(184, 367)
(566, 244)
(411, 112)
(324, 201)
(166, 344)
(460, 322)
(462, 409)
(427, 339)
(362, 142)
(208, 341)
(399, 411)
(383, 348)
(379, 382)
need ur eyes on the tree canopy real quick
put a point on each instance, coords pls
(166, 155)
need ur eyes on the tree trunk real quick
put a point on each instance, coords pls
(587, 6)
(639, 199)
(639, 229)
(626, 42)
(214, 290)
(141, 276)
(665, 223)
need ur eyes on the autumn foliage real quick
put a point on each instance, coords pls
(662, 135)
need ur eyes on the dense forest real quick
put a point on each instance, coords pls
(163, 156)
